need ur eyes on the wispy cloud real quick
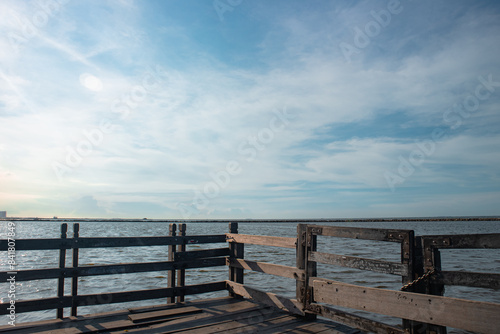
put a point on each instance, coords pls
(182, 92)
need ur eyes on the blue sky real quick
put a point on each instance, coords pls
(249, 109)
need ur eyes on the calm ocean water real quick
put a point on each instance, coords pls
(467, 260)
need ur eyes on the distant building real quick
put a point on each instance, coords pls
(3, 214)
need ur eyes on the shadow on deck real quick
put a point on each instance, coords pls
(220, 315)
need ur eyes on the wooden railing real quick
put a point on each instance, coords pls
(178, 261)
(421, 306)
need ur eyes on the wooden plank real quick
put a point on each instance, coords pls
(245, 323)
(480, 280)
(478, 241)
(320, 327)
(200, 254)
(230, 323)
(171, 253)
(263, 240)
(277, 323)
(148, 241)
(268, 268)
(360, 233)
(385, 267)
(353, 320)
(74, 279)
(163, 314)
(62, 264)
(300, 262)
(122, 297)
(267, 298)
(23, 306)
(473, 316)
(111, 269)
(46, 244)
(236, 250)
(38, 244)
(181, 274)
(234, 309)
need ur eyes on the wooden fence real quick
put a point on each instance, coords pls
(178, 261)
(421, 305)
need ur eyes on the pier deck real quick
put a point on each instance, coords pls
(419, 303)
(219, 315)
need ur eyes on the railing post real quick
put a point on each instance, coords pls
(181, 274)
(311, 269)
(432, 261)
(62, 264)
(411, 255)
(171, 257)
(74, 279)
(301, 285)
(236, 250)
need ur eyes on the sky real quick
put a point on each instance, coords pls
(249, 109)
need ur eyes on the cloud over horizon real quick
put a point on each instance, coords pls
(177, 110)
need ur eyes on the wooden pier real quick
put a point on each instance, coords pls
(420, 303)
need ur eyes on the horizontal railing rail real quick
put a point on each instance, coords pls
(113, 269)
(262, 240)
(445, 311)
(432, 244)
(104, 242)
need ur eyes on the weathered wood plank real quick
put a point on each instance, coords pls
(277, 323)
(356, 321)
(112, 269)
(62, 264)
(238, 308)
(300, 262)
(385, 267)
(267, 298)
(268, 268)
(74, 280)
(262, 240)
(473, 316)
(200, 254)
(181, 274)
(171, 253)
(241, 324)
(163, 314)
(121, 297)
(487, 240)
(480, 280)
(148, 241)
(38, 244)
(236, 250)
(359, 233)
(47, 244)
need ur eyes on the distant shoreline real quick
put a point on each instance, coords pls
(313, 220)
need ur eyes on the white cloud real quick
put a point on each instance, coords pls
(192, 124)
